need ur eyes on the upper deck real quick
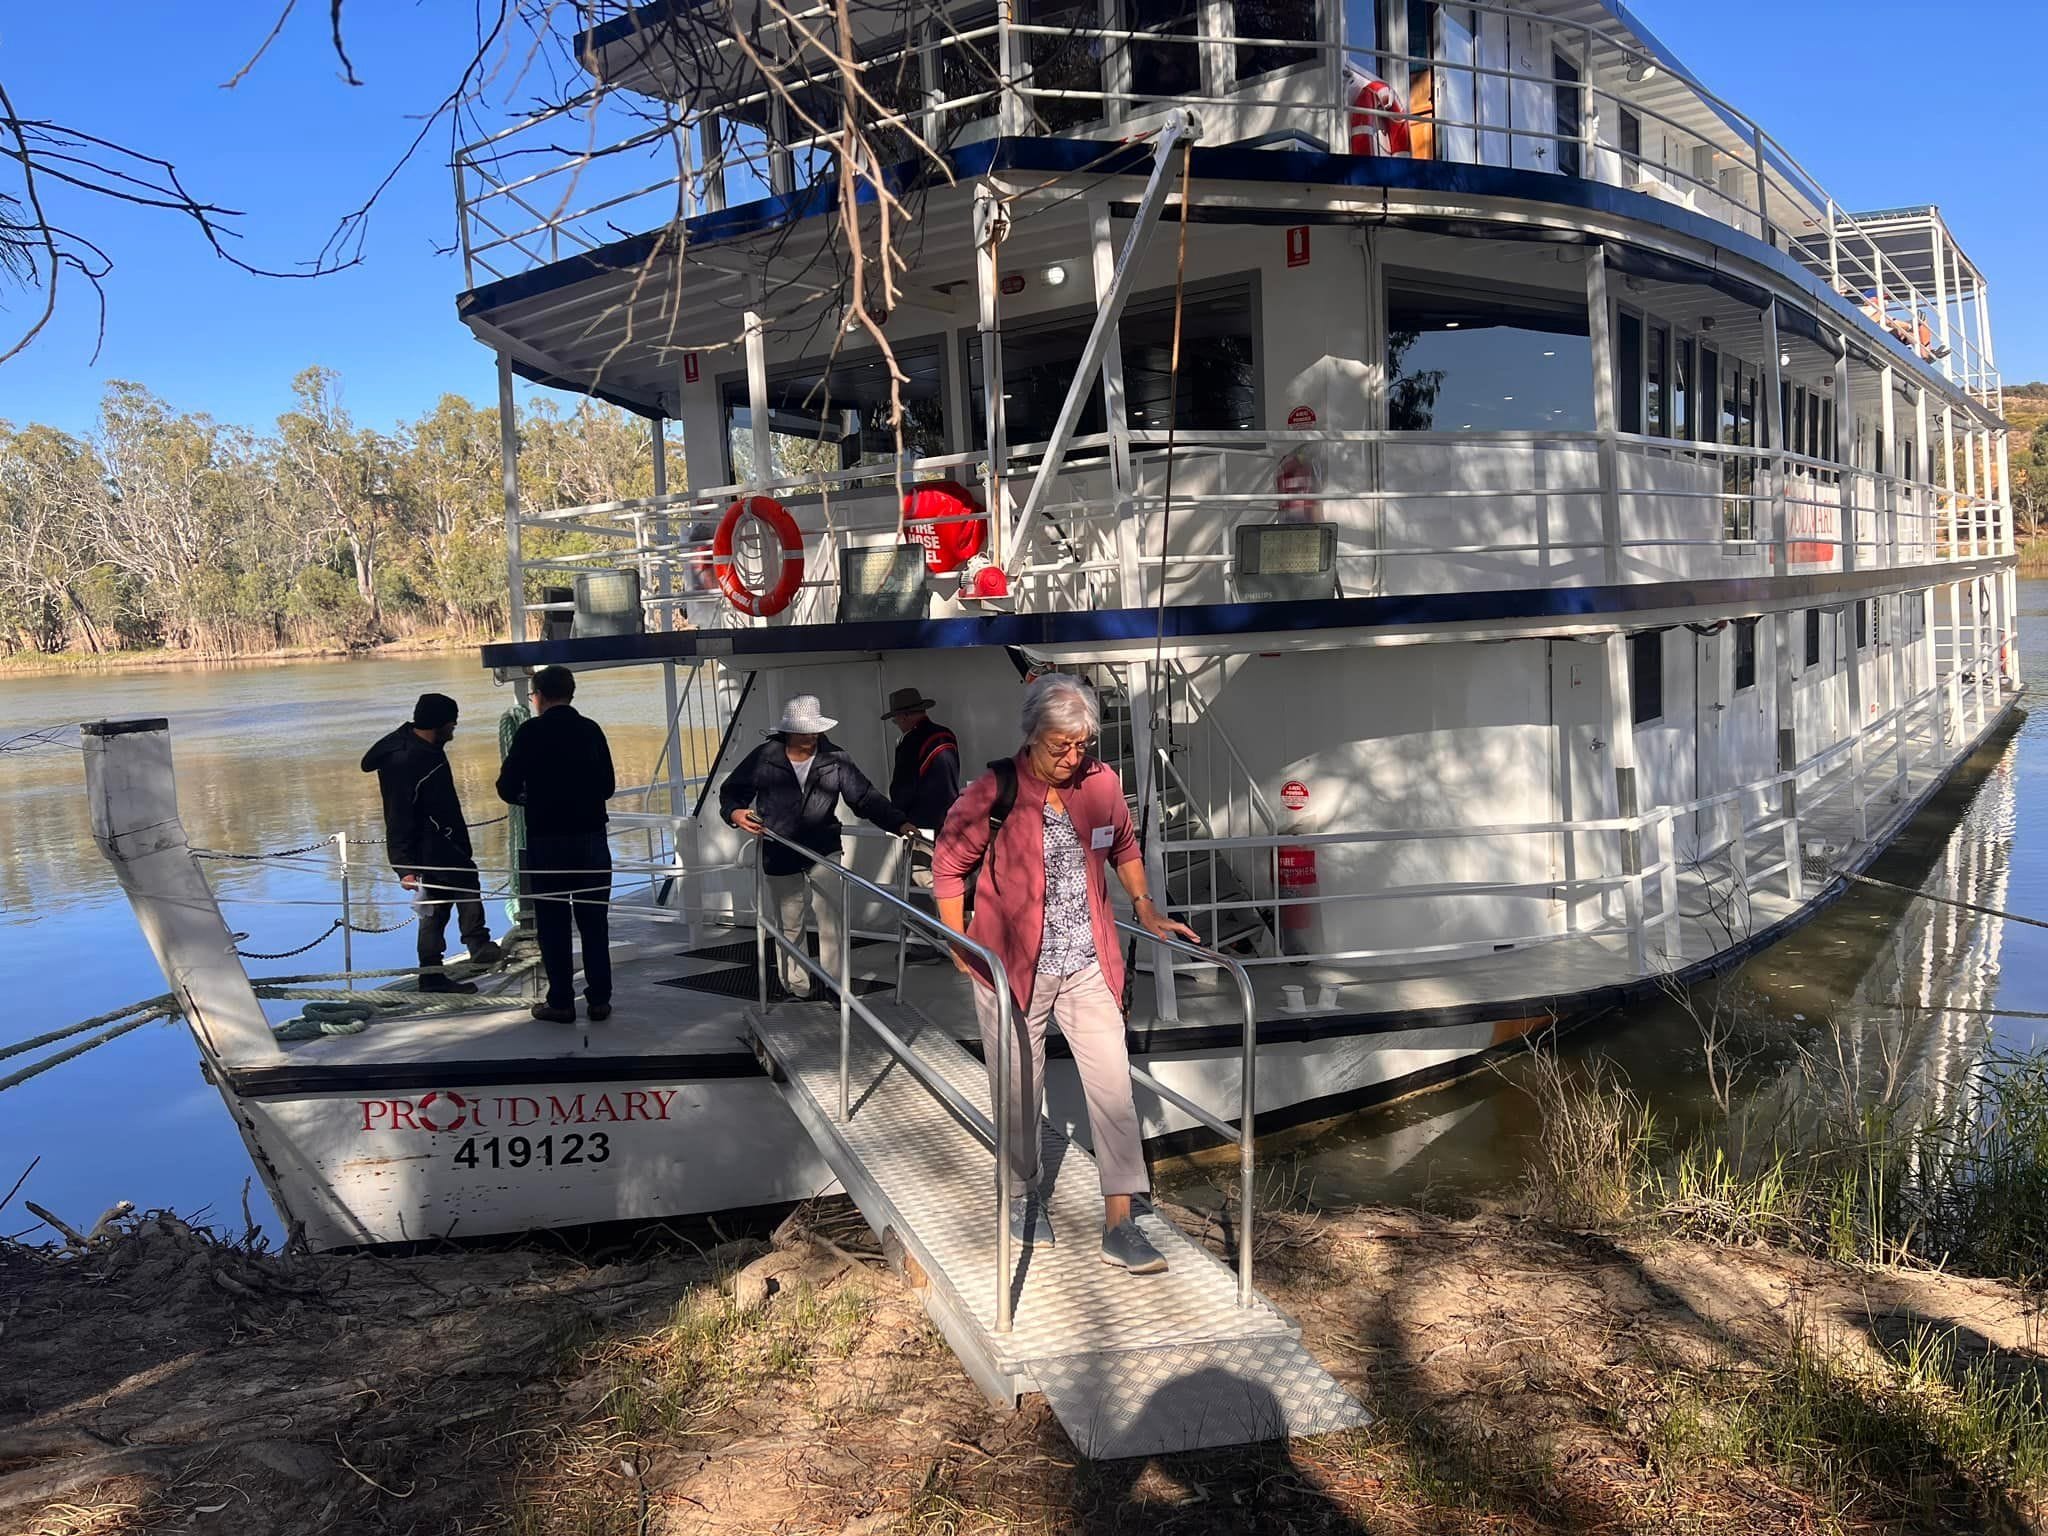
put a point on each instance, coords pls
(1706, 371)
(687, 118)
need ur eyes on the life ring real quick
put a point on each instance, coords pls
(945, 517)
(1376, 126)
(788, 537)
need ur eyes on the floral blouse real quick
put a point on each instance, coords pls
(1069, 943)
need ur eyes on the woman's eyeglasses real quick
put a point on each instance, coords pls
(1060, 754)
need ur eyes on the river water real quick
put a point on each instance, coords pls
(267, 759)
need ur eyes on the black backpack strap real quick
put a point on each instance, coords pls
(1005, 770)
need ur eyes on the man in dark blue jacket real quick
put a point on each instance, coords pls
(792, 785)
(560, 769)
(427, 840)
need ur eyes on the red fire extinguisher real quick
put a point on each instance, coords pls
(1296, 876)
(1296, 482)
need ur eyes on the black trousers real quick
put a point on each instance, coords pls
(445, 890)
(570, 879)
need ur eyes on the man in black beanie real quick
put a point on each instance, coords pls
(428, 840)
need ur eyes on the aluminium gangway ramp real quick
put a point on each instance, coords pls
(1132, 1365)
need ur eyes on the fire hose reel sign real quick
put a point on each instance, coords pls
(1294, 795)
(1301, 416)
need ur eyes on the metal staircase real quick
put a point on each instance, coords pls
(1131, 1365)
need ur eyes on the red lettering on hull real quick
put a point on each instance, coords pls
(440, 1110)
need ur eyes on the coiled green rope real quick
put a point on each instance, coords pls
(317, 1019)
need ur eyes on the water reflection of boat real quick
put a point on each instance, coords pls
(1538, 579)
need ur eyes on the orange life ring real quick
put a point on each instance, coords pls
(946, 518)
(788, 537)
(1375, 127)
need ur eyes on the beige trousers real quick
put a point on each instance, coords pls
(1087, 1014)
(791, 897)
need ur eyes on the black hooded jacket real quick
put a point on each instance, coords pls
(423, 826)
(765, 784)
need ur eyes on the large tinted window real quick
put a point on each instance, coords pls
(838, 418)
(1218, 389)
(1628, 372)
(1282, 20)
(1464, 361)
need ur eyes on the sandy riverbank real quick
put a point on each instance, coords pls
(1527, 1378)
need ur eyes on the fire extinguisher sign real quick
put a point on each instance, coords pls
(1297, 246)
(1294, 795)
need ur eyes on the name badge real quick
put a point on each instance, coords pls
(1101, 838)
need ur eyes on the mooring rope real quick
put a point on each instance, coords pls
(1949, 901)
(161, 1004)
(36, 1069)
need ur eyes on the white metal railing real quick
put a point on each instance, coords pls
(584, 173)
(1845, 767)
(1415, 512)
(994, 1131)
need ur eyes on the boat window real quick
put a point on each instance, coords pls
(1707, 411)
(1862, 625)
(1068, 61)
(1646, 676)
(1628, 372)
(829, 418)
(1631, 148)
(1173, 66)
(1218, 368)
(1813, 637)
(1287, 21)
(1682, 403)
(1569, 114)
(1657, 366)
(1745, 654)
(1485, 361)
(967, 68)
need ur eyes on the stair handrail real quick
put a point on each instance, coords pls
(1244, 1132)
(996, 1135)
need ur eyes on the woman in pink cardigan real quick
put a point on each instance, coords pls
(1041, 903)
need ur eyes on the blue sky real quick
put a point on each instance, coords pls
(1880, 120)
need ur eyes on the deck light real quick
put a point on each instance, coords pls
(1055, 275)
(1641, 71)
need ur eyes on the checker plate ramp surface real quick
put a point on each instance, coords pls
(1131, 1364)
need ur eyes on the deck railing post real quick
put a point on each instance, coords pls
(1247, 1133)
(1784, 638)
(1667, 887)
(348, 927)
(845, 996)
(761, 919)
(1622, 748)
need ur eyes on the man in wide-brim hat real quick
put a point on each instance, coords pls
(927, 777)
(792, 785)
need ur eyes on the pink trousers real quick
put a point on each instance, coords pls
(1087, 1014)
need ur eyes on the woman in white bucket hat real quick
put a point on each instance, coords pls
(792, 785)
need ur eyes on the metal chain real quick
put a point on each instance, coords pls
(286, 954)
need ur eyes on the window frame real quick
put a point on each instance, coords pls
(1248, 281)
(931, 341)
(1646, 677)
(1457, 288)
(1745, 653)
(1813, 628)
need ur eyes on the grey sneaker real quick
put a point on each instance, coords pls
(1029, 1223)
(1126, 1247)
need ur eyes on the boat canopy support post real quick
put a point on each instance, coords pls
(1180, 128)
(133, 793)
(1129, 545)
(515, 563)
(762, 441)
(991, 225)
(1774, 415)
(1600, 322)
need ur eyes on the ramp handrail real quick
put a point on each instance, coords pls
(996, 1136)
(1247, 1092)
